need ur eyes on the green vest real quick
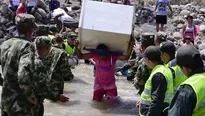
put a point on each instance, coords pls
(51, 37)
(179, 77)
(197, 83)
(68, 49)
(146, 94)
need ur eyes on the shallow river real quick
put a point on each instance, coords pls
(80, 92)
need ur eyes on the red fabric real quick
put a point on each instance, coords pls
(105, 76)
(21, 9)
(98, 94)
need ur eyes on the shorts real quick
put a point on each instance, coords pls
(98, 94)
(13, 9)
(160, 19)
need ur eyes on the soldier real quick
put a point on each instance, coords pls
(58, 41)
(147, 40)
(142, 71)
(160, 37)
(18, 98)
(45, 88)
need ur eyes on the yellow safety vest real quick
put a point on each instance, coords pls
(179, 76)
(197, 83)
(68, 49)
(51, 37)
(146, 94)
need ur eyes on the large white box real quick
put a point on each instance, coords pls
(105, 23)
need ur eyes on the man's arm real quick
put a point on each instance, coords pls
(11, 3)
(25, 73)
(64, 67)
(155, 9)
(129, 51)
(79, 54)
(170, 8)
(159, 87)
(183, 102)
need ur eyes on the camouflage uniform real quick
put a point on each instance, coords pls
(59, 69)
(142, 71)
(17, 61)
(141, 75)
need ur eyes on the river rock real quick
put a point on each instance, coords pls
(177, 35)
(178, 20)
(4, 9)
(179, 26)
(202, 46)
(3, 20)
(1, 34)
(185, 12)
(197, 21)
(194, 15)
(202, 28)
(202, 10)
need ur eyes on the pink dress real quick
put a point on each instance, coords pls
(105, 76)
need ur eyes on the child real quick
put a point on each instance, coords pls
(21, 8)
(105, 76)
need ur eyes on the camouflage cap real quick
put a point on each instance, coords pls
(72, 35)
(147, 36)
(25, 21)
(42, 41)
(161, 36)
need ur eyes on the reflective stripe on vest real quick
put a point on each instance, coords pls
(179, 76)
(146, 94)
(68, 49)
(197, 83)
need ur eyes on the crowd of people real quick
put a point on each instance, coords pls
(168, 76)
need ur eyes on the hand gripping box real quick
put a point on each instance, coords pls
(105, 23)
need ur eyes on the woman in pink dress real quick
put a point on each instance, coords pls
(105, 65)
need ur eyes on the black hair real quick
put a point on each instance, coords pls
(169, 48)
(189, 16)
(197, 64)
(153, 54)
(102, 46)
(58, 38)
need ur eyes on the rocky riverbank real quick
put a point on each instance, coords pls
(144, 19)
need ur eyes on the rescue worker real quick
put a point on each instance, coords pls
(69, 43)
(168, 57)
(58, 43)
(142, 71)
(158, 90)
(189, 99)
(45, 88)
(18, 96)
(160, 37)
(147, 39)
(57, 60)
